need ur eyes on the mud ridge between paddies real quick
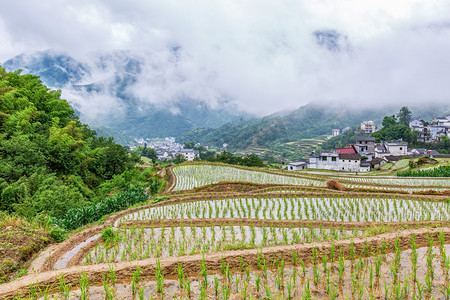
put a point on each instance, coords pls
(123, 270)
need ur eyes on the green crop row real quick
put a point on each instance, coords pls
(90, 213)
(442, 171)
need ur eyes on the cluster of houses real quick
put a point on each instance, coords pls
(168, 149)
(188, 154)
(362, 156)
(432, 132)
(366, 127)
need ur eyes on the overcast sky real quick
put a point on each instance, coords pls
(263, 56)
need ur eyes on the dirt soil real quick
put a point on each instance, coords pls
(17, 246)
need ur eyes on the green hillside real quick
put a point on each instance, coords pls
(50, 162)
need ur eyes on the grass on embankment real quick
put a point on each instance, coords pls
(19, 241)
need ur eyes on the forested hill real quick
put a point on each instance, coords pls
(50, 162)
(308, 121)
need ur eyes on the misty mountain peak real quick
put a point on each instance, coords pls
(330, 39)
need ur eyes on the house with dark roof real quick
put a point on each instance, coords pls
(189, 154)
(384, 149)
(349, 162)
(365, 145)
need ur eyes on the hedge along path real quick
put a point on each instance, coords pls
(320, 177)
(192, 263)
(80, 237)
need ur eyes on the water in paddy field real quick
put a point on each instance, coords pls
(140, 243)
(359, 278)
(326, 209)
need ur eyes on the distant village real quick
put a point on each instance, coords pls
(365, 154)
(168, 149)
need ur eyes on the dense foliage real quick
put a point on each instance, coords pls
(50, 162)
(251, 160)
(442, 171)
(393, 130)
(90, 213)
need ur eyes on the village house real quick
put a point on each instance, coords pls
(189, 154)
(365, 146)
(368, 127)
(438, 128)
(359, 157)
(350, 162)
(391, 149)
(294, 166)
(336, 132)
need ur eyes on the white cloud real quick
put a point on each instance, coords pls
(259, 55)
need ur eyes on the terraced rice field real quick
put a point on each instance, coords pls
(324, 209)
(247, 241)
(192, 176)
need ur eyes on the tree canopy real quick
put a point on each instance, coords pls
(50, 162)
(404, 116)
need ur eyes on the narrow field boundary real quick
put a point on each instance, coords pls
(123, 270)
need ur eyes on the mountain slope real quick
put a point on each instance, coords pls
(309, 121)
(104, 91)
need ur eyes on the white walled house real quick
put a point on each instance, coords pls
(294, 166)
(397, 148)
(350, 162)
(189, 154)
(336, 132)
(391, 149)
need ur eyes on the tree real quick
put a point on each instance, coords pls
(179, 159)
(404, 116)
(149, 152)
(389, 121)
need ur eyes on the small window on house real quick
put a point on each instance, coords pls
(333, 158)
(400, 148)
(324, 158)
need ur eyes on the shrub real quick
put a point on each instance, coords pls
(58, 233)
(110, 236)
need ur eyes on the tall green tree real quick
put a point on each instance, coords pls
(404, 116)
